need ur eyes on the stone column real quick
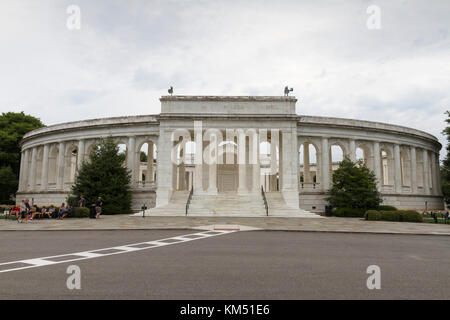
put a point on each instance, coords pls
(434, 173)
(32, 173)
(306, 164)
(131, 158)
(212, 181)
(398, 169)
(198, 160)
(182, 167)
(377, 163)
(439, 183)
(256, 174)
(24, 172)
(274, 142)
(81, 153)
(44, 177)
(21, 172)
(242, 163)
(426, 174)
(325, 155)
(352, 155)
(150, 160)
(289, 167)
(165, 167)
(60, 178)
(413, 170)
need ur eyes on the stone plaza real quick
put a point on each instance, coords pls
(240, 156)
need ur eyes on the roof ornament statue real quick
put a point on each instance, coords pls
(287, 90)
(170, 91)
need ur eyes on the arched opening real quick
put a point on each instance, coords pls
(387, 167)
(227, 169)
(360, 155)
(269, 157)
(336, 157)
(147, 163)
(308, 165)
(70, 164)
(122, 148)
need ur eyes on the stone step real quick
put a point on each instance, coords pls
(228, 205)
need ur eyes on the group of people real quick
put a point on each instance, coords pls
(97, 205)
(28, 212)
(445, 215)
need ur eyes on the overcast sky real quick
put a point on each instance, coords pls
(127, 53)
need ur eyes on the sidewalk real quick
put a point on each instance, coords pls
(128, 222)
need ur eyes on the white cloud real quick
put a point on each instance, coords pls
(127, 54)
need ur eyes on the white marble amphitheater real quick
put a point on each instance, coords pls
(235, 155)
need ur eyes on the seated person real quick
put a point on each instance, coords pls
(67, 211)
(51, 211)
(45, 211)
(33, 211)
(61, 211)
(15, 211)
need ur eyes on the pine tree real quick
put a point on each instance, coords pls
(354, 186)
(445, 168)
(13, 126)
(106, 176)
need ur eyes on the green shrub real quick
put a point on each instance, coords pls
(399, 215)
(372, 215)
(390, 215)
(387, 208)
(411, 216)
(349, 213)
(80, 212)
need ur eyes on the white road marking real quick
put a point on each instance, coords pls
(91, 254)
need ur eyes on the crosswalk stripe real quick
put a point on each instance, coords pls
(96, 253)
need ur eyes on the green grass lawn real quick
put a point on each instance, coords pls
(431, 220)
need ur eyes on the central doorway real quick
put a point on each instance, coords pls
(227, 178)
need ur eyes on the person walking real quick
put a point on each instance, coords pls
(23, 212)
(98, 207)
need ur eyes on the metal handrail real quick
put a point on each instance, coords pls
(265, 201)
(189, 200)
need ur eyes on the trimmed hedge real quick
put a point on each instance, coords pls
(412, 216)
(372, 215)
(80, 212)
(399, 215)
(387, 208)
(349, 213)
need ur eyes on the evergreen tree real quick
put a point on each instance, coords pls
(445, 168)
(13, 126)
(8, 185)
(143, 157)
(354, 186)
(106, 176)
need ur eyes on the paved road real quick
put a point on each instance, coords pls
(241, 265)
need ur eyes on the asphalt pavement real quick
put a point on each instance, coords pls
(239, 265)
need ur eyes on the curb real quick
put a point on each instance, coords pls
(270, 230)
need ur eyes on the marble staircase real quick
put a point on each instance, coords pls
(228, 205)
